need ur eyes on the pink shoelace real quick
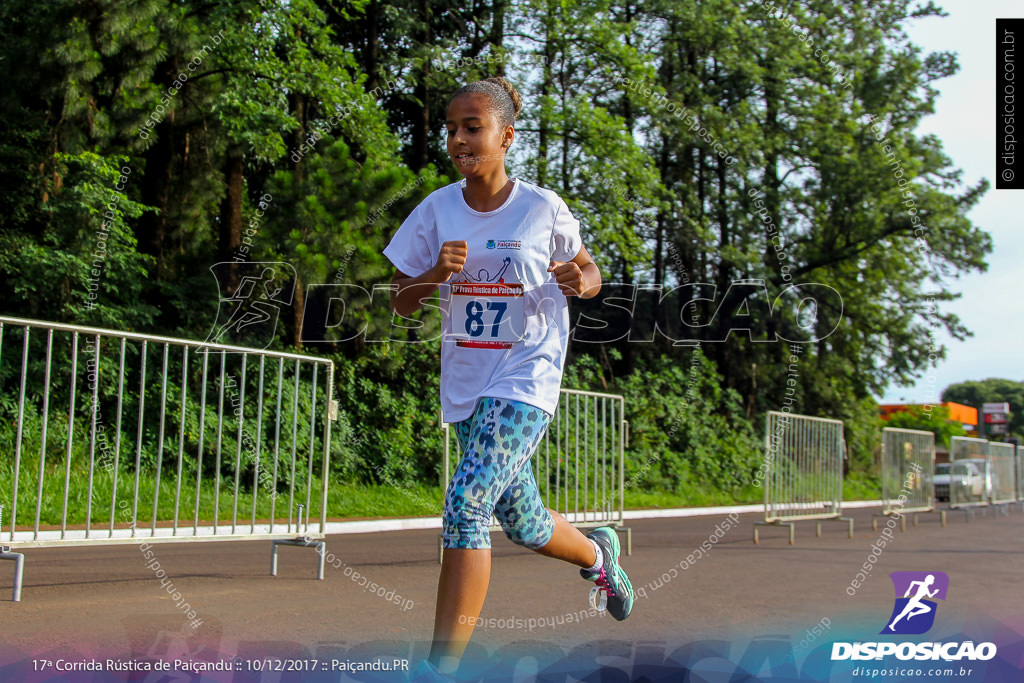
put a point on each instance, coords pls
(602, 581)
(599, 593)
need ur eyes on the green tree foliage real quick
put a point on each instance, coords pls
(88, 245)
(686, 430)
(791, 157)
(708, 142)
(992, 390)
(935, 421)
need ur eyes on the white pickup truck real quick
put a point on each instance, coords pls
(972, 481)
(941, 480)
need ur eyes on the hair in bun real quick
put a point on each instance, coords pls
(505, 99)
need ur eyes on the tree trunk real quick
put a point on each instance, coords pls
(371, 53)
(155, 191)
(421, 125)
(498, 33)
(298, 106)
(151, 228)
(542, 120)
(297, 309)
(231, 216)
(772, 95)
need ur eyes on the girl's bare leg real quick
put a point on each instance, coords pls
(461, 589)
(568, 544)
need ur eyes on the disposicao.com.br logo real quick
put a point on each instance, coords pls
(916, 589)
(913, 614)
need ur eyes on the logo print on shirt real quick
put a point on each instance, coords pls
(504, 244)
(483, 275)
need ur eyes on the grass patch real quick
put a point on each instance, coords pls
(861, 486)
(374, 500)
(345, 500)
(213, 502)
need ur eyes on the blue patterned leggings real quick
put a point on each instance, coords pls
(495, 477)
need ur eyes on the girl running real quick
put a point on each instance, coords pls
(505, 254)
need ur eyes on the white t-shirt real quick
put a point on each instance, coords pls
(505, 323)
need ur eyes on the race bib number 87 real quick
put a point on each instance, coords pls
(487, 315)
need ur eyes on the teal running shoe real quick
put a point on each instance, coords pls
(613, 590)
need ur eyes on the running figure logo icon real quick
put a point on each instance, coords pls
(248, 315)
(914, 612)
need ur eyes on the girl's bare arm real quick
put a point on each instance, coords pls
(412, 290)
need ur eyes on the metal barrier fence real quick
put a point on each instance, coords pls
(804, 480)
(1020, 473)
(908, 470)
(969, 475)
(118, 437)
(579, 465)
(1002, 465)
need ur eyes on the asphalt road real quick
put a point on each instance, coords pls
(105, 601)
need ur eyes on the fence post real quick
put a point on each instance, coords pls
(803, 471)
(908, 466)
(126, 390)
